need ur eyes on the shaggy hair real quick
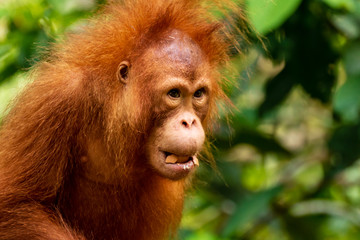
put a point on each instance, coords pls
(75, 95)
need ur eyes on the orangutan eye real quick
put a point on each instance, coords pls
(174, 93)
(199, 93)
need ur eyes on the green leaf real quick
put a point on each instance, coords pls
(347, 24)
(266, 15)
(352, 59)
(202, 235)
(347, 100)
(339, 4)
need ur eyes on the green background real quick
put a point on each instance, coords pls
(288, 158)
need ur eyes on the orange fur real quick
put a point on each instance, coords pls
(74, 102)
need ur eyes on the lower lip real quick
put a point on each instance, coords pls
(181, 167)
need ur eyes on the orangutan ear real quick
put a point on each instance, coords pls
(123, 71)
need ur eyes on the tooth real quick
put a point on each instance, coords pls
(171, 159)
(196, 161)
(182, 159)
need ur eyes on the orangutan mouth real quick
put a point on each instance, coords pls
(178, 159)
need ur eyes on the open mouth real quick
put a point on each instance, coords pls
(180, 161)
(171, 158)
(176, 165)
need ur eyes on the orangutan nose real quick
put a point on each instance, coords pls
(188, 120)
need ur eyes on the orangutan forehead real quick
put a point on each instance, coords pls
(179, 54)
(180, 48)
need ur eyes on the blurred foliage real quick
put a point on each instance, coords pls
(288, 155)
(27, 27)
